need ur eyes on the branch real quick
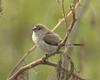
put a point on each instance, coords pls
(79, 16)
(31, 65)
(72, 9)
(21, 60)
(63, 12)
(67, 15)
(74, 25)
(62, 73)
(42, 60)
(34, 64)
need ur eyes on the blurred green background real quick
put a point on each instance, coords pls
(16, 21)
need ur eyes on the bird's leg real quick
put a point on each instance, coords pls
(45, 57)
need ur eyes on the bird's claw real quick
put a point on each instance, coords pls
(44, 58)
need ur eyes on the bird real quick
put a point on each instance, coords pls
(45, 39)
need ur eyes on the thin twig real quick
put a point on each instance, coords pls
(70, 28)
(67, 15)
(31, 65)
(21, 60)
(66, 40)
(73, 30)
(64, 14)
(61, 72)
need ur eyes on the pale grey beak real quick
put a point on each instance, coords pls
(34, 28)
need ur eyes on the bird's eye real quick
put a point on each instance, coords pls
(39, 28)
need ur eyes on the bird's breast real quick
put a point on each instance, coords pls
(43, 45)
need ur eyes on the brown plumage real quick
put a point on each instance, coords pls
(45, 39)
(52, 39)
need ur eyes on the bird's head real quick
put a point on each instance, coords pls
(40, 29)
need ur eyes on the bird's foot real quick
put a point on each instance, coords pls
(44, 58)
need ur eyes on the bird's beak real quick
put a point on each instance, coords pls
(34, 28)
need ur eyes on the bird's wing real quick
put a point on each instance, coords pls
(52, 39)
